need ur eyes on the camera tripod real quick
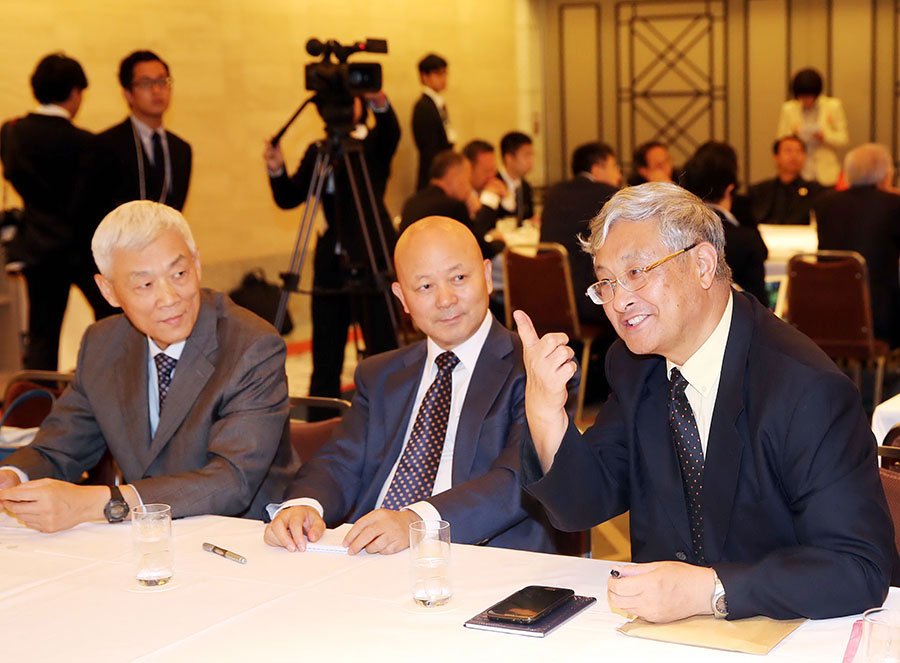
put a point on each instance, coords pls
(338, 148)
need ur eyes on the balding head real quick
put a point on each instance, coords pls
(869, 164)
(442, 280)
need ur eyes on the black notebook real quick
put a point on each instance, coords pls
(541, 627)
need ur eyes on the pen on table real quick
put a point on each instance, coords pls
(614, 573)
(227, 554)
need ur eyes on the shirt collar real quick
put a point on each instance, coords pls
(511, 182)
(703, 369)
(144, 130)
(174, 351)
(53, 110)
(435, 96)
(729, 217)
(468, 350)
(586, 175)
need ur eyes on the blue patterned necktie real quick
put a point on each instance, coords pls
(690, 457)
(164, 367)
(414, 479)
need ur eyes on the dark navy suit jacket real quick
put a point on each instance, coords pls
(795, 519)
(485, 504)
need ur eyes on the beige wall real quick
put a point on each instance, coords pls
(238, 66)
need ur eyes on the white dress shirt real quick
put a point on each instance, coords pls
(703, 371)
(513, 184)
(145, 133)
(468, 353)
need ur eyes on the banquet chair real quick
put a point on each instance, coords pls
(29, 397)
(890, 481)
(541, 285)
(828, 300)
(308, 436)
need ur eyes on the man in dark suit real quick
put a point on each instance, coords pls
(866, 218)
(42, 154)
(517, 154)
(186, 390)
(341, 264)
(368, 473)
(786, 198)
(432, 130)
(742, 453)
(448, 191)
(138, 159)
(650, 163)
(711, 174)
(568, 209)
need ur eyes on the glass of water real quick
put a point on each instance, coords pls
(151, 526)
(429, 553)
(881, 636)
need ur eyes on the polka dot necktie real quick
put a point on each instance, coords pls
(690, 456)
(164, 367)
(414, 479)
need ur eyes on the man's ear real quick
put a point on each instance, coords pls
(707, 261)
(107, 290)
(196, 258)
(488, 271)
(398, 293)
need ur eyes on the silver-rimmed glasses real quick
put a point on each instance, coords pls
(633, 279)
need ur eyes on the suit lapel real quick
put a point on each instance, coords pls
(193, 371)
(131, 394)
(655, 439)
(399, 393)
(490, 374)
(725, 446)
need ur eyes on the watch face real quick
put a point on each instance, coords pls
(118, 511)
(722, 605)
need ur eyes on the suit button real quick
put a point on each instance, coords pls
(680, 555)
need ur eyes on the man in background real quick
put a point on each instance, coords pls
(42, 154)
(487, 188)
(651, 163)
(432, 130)
(787, 198)
(517, 153)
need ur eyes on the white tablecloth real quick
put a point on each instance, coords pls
(72, 596)
(885, 417)
(784, 242)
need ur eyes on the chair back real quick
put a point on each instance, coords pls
(890, 481)
(308, 436)
(541, 285)
(828, 300)
(30, 395)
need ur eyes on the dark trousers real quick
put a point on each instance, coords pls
(48, 294)
(332, 315)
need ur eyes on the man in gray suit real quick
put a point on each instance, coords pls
(186, 390)
(435, 427)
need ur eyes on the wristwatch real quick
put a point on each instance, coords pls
(116, 510)
(719, 602)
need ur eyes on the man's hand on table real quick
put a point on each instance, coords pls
(49, 505)
(662, 591)
(549, 365)
(381, 531)
(291, 528)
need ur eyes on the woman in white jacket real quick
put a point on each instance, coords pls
(818, 121)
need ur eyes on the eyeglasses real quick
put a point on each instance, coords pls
(635, 278)
(150, 83)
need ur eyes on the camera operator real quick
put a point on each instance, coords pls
(340, 257)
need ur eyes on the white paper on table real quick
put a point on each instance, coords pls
(12, 437)
(332, 541)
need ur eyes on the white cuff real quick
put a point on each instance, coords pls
(274, 509)
(277, 173)
(136, 494)
(425, 510)
(15, 470)
(489, 199)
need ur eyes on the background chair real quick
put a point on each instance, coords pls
(20, 408)
(541, 285)
(890, 481)
(828, 300)
(308, 436)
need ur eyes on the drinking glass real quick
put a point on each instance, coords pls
(151, 526)
(881, 636)
(429, 553)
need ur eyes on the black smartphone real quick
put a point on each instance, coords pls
(529, 604)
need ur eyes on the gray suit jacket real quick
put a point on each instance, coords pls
(221, 446)
(485, 504)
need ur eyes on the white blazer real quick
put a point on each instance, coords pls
(822, 163)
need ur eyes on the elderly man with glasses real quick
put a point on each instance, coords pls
(742, 453)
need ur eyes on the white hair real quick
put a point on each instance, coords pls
(867, 164)
(683, 219)
(135, 225)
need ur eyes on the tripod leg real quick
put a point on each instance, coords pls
(291, 278)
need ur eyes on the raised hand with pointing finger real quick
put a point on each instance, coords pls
(549, 365)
